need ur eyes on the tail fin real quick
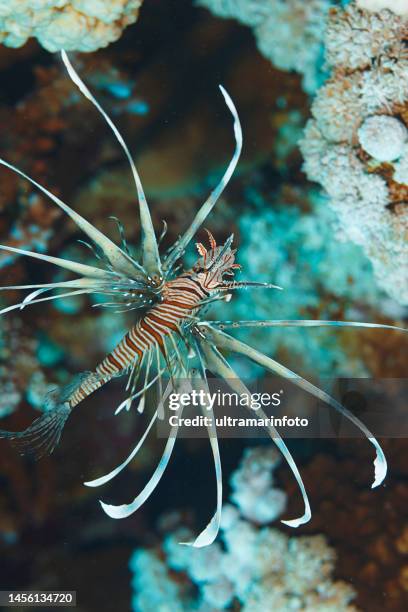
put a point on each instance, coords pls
(43, 435)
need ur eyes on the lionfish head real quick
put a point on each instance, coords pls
(215, 261)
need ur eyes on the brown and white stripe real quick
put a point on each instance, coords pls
(181, 298)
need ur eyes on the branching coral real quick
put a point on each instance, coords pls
(288, 32)
(252, 484)
(256, 569)
(81, 25)
(355, 145)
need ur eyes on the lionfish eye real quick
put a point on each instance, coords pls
(156, 279)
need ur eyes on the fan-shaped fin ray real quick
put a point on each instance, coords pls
(209, 534)
(72, 266)
(302, 323)
(125, 510)
(250, 284)
(44, 299)
(118, 259)
(78, 283)
(223, 340)
(219, 366)
(209, 204)
(104, 479)
(43, 435)
(151, 259)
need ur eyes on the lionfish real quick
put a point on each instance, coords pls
(170, 336)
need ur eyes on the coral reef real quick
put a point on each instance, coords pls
(42, 133)
(400, 7)
(288, 33)
(294, 246)
(248, 12)
(371, 545)
(355, 144)
(19, 372)
(255, 569)
(52, 534)
(80, 25)
(36, 128)
(383, 137)
(40, 128)
(31, 229)
(252, 486)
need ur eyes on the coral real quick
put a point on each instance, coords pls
(21, 373)
(253, 493)
(81, 25)
(256, 569)
(291, 37)
(249, 12)
(371, 546)
(358, 124)
(45, 136)
(298, 250)
(358, 39)
(38, 125)
(400, 7)
(31, 230)
(288, 33)
(35, 126)
(18, 364)
(401, 168)
(383, 137)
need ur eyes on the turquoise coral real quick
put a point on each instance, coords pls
(254, 569)
(366, 52)
(289, 33)
(298, 250)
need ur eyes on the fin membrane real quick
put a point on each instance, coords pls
(43, 435)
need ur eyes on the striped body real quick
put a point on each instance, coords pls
(180, 299)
